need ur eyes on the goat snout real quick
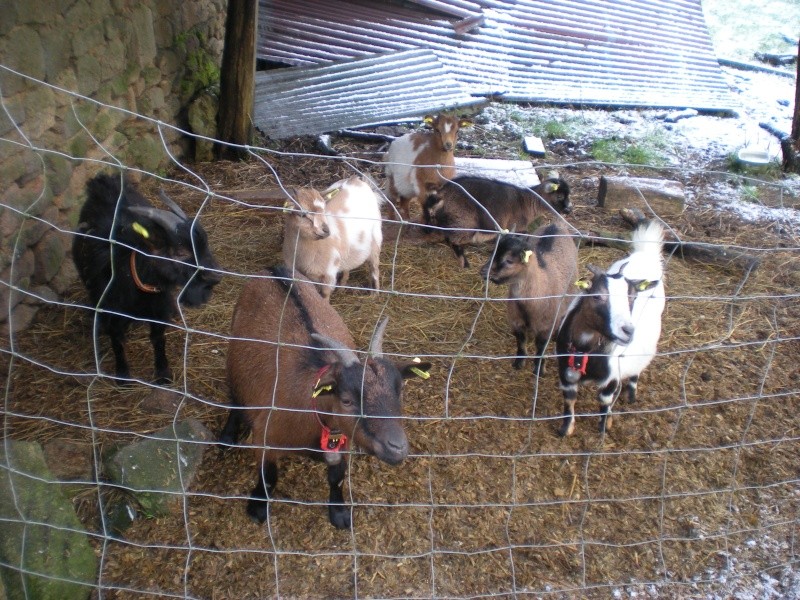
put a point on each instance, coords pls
(393, 449)
(323, 232)
(626, 334)
(566, 208)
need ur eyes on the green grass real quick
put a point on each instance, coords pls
(652, 149)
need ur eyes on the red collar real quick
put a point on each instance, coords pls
(143, 287)
(329, 440)
(577, 362)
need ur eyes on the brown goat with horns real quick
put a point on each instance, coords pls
(298, 384)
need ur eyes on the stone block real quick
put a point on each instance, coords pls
(49, 255)
(40, 530)
(157, 471)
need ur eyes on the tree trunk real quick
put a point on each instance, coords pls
(237, 80)
(791, 146)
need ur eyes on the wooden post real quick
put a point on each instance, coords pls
(791, 145)
(237, 80)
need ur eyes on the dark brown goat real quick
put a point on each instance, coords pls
(291, 363)
(473, 209)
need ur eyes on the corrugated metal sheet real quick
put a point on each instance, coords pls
(354, 93)
(654, 53)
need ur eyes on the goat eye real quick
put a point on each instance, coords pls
(346, 401)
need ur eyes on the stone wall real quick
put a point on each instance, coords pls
(85, 84)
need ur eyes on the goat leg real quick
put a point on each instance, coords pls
(267, 479)
(568, 425)
(163, 374)
(633, 383)
(519, 335)
(459, 251)
(338, 511)
(538, 366)
(116, 331)
(229, 436)
(606, 398)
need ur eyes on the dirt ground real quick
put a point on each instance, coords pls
(692, 494)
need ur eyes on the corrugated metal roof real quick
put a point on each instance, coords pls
(652, 53)
(354, 93)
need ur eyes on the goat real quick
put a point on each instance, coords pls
(419, 163)
(334, 232)
(300, 387)
(133, 257)
(537, 288)
(473, 209)
(610, 333)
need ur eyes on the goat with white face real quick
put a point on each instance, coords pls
(610, 333)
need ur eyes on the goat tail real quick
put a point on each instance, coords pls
(648, 237)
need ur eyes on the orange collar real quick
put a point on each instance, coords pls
(143, 287)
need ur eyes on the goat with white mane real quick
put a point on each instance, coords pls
(610, 333)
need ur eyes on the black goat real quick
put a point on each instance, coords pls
(133, 257)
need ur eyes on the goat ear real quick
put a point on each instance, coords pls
(416, 368)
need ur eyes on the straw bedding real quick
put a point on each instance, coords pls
(492, 501)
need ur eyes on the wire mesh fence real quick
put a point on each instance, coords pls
(692, 493)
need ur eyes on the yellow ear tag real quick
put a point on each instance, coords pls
(582, 284)
(420, 373)
(139, 228)
(332, 193)
(642, 285)
(527, 256)
(321, 388)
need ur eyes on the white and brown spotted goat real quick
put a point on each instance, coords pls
(334, 232)
(610, 333)
(417, 164)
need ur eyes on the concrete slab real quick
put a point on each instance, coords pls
(518, 172)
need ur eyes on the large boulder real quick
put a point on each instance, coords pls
(41, 538)
(159, 470)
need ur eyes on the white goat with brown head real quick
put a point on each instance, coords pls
(417, 164)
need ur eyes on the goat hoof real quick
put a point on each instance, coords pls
(566, 430)
(340, 516)
(518, 362)
(257, 510)
(163, 377)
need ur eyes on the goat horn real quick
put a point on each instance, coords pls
(376, 344)
(172, 206)
(595, 270)
(167, 220)
(346, 355)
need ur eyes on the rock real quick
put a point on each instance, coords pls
(38, 512)
(157, 471)
(203, 121)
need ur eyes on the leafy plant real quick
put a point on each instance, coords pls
(650, 150)
(749, 193)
